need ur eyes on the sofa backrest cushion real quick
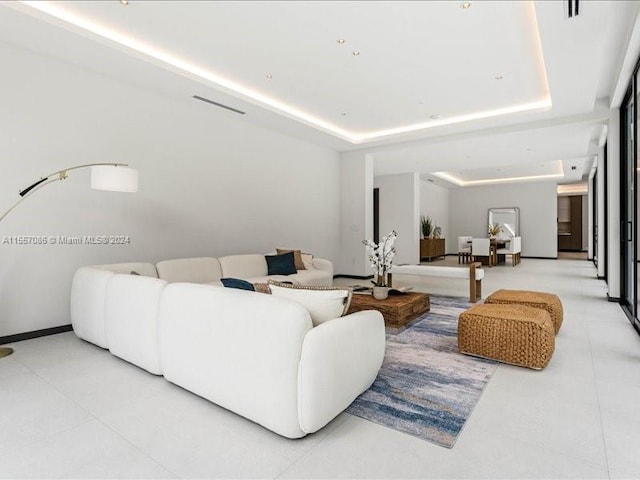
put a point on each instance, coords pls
(131, 319)
(238, 349)
(193, 270)
(322, 303)
(140, 268)
(243, 266)
(87, 304)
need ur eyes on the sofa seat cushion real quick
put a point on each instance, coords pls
(276, 278)
(323, 303)
(312, 277)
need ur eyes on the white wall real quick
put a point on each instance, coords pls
(537, 202)
(210, 183)
(356, 213)
(399, 211)
(434, 203)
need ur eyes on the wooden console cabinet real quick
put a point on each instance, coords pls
(431, 248)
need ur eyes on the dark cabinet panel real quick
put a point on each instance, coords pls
(576, 222)
(564, 242)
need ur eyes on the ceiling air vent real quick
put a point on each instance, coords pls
(202, 99)
(573, 8)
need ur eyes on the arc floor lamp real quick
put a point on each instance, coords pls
(116, 177)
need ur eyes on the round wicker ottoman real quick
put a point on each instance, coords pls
(548, 301)
(515, 334)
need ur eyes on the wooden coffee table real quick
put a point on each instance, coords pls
(397, 310)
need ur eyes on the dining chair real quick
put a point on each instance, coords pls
(514, 248)
(464, 249)
(481, 248)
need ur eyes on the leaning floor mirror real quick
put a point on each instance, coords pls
(508, 219)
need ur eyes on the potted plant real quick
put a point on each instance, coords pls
(494, 230)
(381, 257)
(426, 226)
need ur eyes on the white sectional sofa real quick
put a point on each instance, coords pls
(252, 353)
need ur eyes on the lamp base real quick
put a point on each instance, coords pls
(5, 351)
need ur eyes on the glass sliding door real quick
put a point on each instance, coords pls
(632, 193)
(629, 207)
(594, 216)
(627, 202)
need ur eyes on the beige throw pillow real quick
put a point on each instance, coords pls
(323, 303)
(297, 259)
(307, 260)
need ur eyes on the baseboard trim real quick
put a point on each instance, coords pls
(540, 258)
(20, 337)
(614, 299)
(356, 277)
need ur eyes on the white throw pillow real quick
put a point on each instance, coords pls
(323, 303)
(307, 260)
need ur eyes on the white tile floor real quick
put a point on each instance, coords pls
(70, 410)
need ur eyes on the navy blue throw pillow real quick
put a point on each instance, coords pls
(237, 283)
(284, 264)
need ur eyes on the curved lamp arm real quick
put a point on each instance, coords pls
(53, 177)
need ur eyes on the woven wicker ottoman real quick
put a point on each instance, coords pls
(548, 301)
(515, 334)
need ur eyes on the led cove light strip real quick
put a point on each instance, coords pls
(572, 188)
(253, 96)
(461, 183)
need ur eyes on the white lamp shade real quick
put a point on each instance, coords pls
(114, 178)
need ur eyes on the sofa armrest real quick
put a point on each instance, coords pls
(88, 291)
(322, 264)
(340, 360)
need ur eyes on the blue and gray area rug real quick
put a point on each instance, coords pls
(425, 386)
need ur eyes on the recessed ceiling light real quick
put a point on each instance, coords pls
(465, 5)
(498, 77)
(343, 114)
(269, 76)
(341, 41)
(435, 117)
(528, 149)
(124, 2)
(355, 53)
